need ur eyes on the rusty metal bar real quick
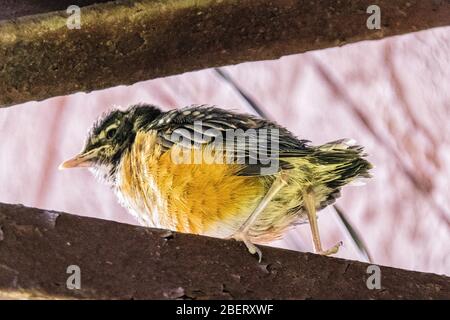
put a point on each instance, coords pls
(127, 41)
(119, 261)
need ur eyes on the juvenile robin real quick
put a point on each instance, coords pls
(208, 171)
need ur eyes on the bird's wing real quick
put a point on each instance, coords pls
(253, 143)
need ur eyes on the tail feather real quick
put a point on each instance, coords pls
(346, 161)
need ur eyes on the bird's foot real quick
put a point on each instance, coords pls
(332, 250)
(243, 236)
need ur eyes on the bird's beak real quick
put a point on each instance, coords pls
(81, 160)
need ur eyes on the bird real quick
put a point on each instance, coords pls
(209, 171)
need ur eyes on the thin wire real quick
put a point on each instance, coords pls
(224, 75)
(354, 235)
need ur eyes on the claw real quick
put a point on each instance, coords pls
(240, 236)
(332, 250)
(254, 249)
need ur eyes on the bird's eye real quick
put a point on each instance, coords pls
(111, 133)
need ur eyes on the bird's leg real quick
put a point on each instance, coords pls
(242, 233)
(310, 205)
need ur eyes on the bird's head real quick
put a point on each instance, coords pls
(109, 137)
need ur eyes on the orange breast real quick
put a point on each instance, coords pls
(202, 198)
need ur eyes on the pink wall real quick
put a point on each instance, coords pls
(392, 96)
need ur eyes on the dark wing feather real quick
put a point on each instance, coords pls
(198, 126)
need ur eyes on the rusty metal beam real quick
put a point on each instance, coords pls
(127, 41)
(119, 261)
